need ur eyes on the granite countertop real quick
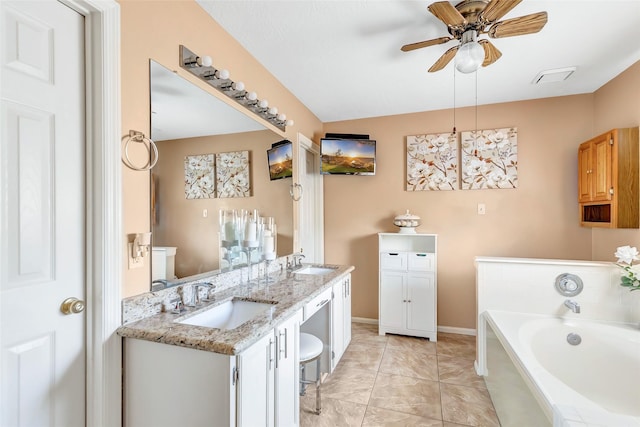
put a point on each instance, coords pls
(290, 291)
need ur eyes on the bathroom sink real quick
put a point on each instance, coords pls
(230, 314)
(315, 270)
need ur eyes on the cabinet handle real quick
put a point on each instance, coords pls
(280, 351)
(393, 254)
(348, 287)
(323, 302)
(421, 254)
(270, 356)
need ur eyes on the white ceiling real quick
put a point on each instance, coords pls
(342, 59)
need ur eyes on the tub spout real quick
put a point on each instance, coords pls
(572, 305)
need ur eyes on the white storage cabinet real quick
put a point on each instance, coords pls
(408, 284)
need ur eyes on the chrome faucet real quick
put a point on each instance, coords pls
(297, 259)
(196, 292)
(572, 305)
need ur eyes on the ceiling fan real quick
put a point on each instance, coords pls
(470, 19)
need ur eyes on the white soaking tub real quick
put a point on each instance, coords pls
(536, 377)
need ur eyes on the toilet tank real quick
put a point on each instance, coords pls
(163, 263)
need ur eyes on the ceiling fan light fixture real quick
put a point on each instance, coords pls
(470, 53)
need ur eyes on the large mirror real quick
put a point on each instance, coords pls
(189, 124)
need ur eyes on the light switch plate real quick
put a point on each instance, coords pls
(134, 262)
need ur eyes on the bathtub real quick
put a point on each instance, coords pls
(536, 377)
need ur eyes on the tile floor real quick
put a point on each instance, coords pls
(395, 380)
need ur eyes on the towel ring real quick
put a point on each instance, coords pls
(292, 192)
(136, 136)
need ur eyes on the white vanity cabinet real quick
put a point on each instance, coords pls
(167, 385)
(340, 319)
(407, 284)
(287, 373)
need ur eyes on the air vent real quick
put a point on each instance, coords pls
(556, 75)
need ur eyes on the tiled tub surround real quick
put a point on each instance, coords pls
(525, 288)
(290, 291)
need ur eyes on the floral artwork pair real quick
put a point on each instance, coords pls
(228, 178)
(489, 159)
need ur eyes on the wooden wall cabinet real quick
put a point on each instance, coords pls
(609, 180)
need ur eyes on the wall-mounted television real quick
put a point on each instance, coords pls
(341, 156)
(279, 157)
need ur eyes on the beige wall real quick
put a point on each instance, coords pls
(180, 222)
(617, 105)
(538, 219)
(154, 30)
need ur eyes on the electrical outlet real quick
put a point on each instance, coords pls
(481, 209)
(133, 261)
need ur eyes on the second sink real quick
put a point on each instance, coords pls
(315, 270)
(229, 315)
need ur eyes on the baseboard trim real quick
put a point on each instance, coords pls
(443, 329)
(454, 330)
(364, 320)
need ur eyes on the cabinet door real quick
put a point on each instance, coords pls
(287, 372)
(256, 370)
(601, 168)
(337, 324)
(392, 299)
(584, 172)
(421, 301)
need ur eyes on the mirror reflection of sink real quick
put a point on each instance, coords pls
(315, 270)
(229, 315)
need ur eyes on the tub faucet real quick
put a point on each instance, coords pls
(574, 306)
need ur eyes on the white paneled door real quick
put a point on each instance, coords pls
(42, 215)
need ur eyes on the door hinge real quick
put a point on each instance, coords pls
(332, 295)
(235, 376)
(333, 355)
(611, 141)
(611, 191)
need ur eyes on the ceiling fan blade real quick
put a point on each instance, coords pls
(491, 53)
(426, 43)
(444, 11)
(444, 60)
(527, 24)
(496, 9)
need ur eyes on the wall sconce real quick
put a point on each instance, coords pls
(138, 248)
(203, 68)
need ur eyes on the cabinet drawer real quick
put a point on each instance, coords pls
(316, 304)
(421, 261)
(393, 260)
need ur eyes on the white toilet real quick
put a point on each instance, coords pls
(163, 263)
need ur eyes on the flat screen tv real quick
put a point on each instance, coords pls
(279, 157)
(348, 156)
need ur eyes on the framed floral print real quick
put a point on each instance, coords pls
(199, 178)
(232, 174)
(432, 162)
(489, 159)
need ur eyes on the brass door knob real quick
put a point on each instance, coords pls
(72, 306)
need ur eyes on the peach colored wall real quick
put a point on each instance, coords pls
(154, 30)
(538, 219)
(617, 105)
(180, 221)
